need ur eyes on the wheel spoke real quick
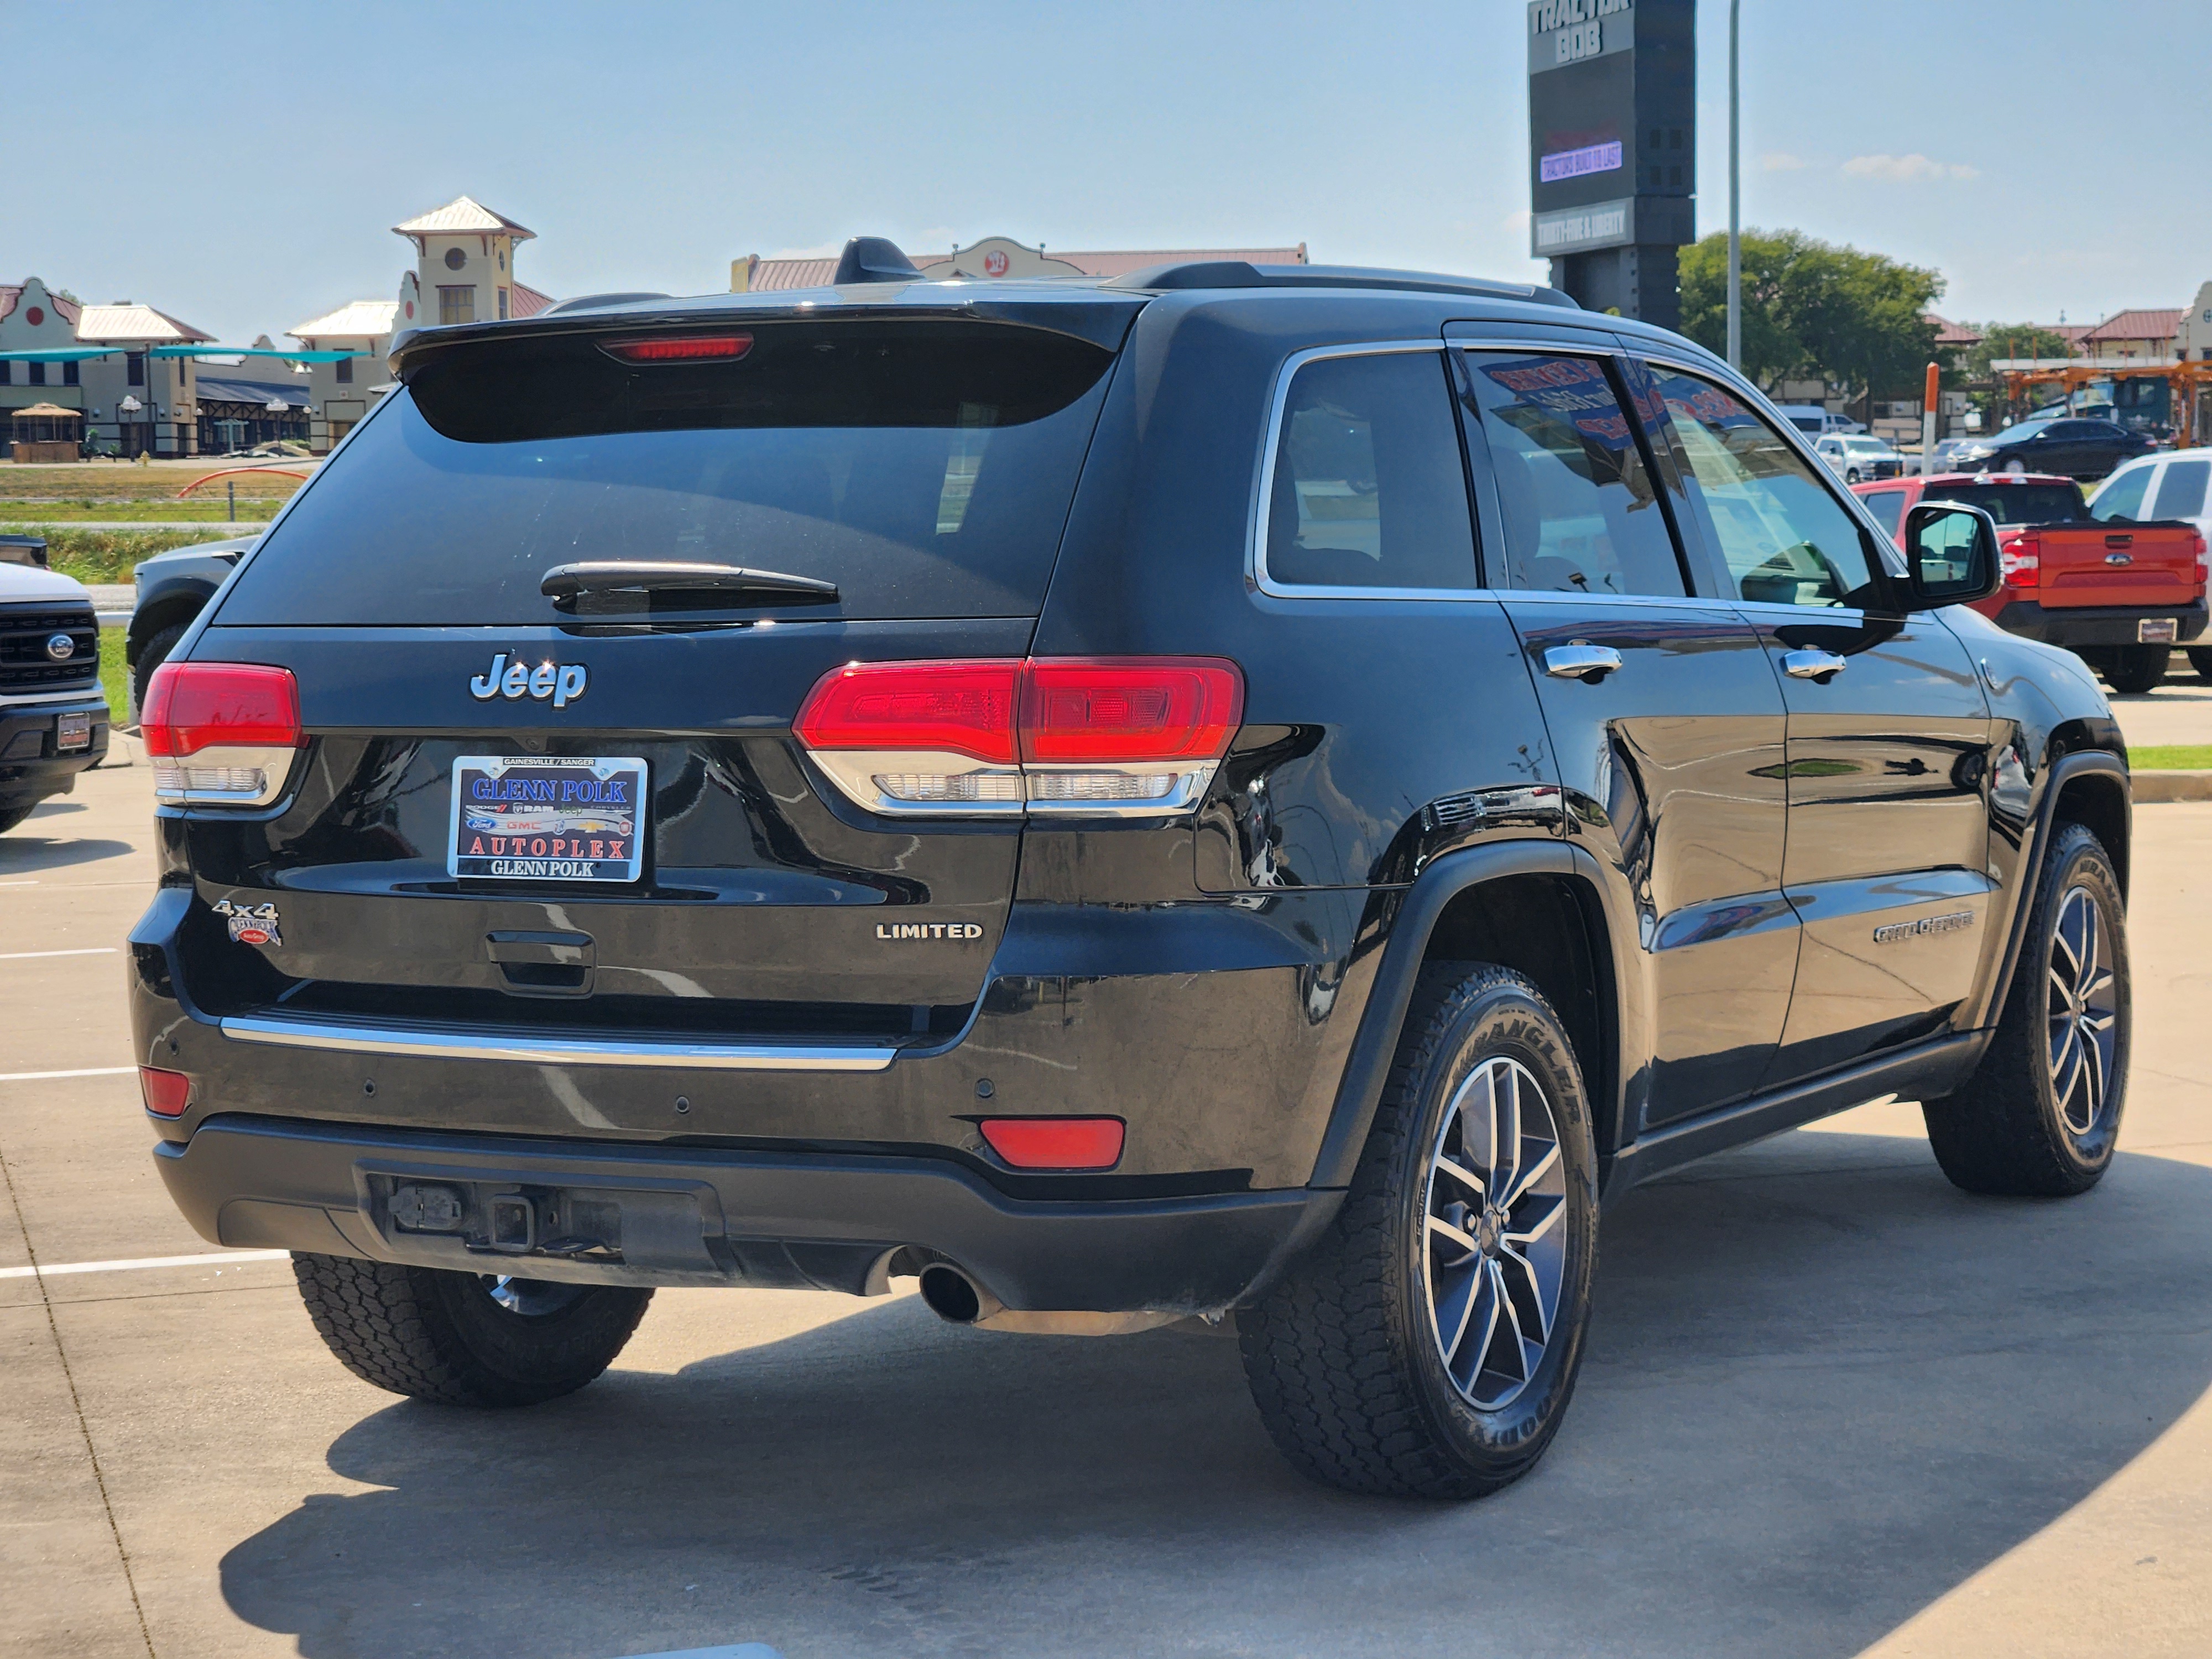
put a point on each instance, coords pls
(1505, 1156)
(2092, 1078)
(1465, 1178)
(2071, 1036)
(1464, 1241)
(1530, 1177)
(1453, 1310)
(1513, 1265)
(1521, 1365)
(1534, 1228)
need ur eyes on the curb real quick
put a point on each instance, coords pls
(2150, 786)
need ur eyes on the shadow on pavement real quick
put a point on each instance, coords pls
(1824, 1388)
(25, 849)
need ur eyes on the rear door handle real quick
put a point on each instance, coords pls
(1816, 665)
(1588, 663)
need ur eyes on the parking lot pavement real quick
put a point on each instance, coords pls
(2179, 711)
(1832, 1405)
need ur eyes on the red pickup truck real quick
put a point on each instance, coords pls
(2119, 593)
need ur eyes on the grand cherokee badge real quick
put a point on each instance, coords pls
(512, 679)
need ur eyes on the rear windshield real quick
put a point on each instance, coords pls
(925, 468)
(2026, 503)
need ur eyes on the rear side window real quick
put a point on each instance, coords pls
(2121, 500)
(1887, 507)
(925, 467)
(2181, 491)
(1368, 489)
(1580, 515)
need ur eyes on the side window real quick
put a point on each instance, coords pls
(2181, 491)
(1368, 490)
(1580, 513)
(1887, 507)
(1776, 525)
(2121, 500)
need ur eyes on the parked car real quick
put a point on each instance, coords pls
(1815, 422)
(2166, 487)
(2119, 592)
(1856, 457)
(170, 590)
(1948, 450)
(1036, 851)
(2079, 448)
(53, 719)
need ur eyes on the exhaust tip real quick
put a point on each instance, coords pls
(951, 1294)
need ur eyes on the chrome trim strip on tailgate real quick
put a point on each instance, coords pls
(554, 1050)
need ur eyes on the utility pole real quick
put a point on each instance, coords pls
(1735, 199)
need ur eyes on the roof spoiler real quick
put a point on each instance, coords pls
(874, 259)
(1238, 273)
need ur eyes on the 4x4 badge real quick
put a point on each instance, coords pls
(251, 924)
(564, 682)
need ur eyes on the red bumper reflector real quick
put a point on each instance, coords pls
(1056, 1143)
(682, 349)
(192, 706)
(168, 1093)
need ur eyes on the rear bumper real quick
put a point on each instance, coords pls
(712, 1216)
(2095, 625)
(31, 767)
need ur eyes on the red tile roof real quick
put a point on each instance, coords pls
(1949, 333)
(526, 302)
(771, 274)
(2138, 326)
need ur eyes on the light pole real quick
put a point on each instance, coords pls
(1736, 201)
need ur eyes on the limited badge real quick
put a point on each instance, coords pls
(251, 924)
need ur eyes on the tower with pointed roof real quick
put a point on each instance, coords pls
(464, 262)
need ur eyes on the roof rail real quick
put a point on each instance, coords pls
(1237, 273)
(589, 301)
(874, 259)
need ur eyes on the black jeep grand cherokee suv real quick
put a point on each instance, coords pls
(1227, 794)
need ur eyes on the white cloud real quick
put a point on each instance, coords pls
(1906, 169)
(1776, 160)
(1516, 224)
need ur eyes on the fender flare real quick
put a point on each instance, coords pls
(2078, 763)
(1367, 1067)
(166, 604)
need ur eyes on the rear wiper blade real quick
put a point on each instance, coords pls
(565, 583)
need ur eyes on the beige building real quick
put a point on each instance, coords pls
(133, 403)
(463, 273)
(999, 256)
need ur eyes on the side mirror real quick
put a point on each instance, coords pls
(1950, 554)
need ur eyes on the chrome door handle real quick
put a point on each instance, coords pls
(1588, 663)
(1818, 667)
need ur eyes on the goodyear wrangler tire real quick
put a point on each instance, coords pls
(2040, 1115)
(466, 1338)
(1428, 1345)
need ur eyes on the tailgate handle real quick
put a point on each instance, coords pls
(2119, 541)
(544, 965)
(546, 949)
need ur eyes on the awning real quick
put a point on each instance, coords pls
(73, 355)
(254, 352)
(211, 389)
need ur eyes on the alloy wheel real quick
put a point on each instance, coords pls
(1494, 1253)
(2081, 1012)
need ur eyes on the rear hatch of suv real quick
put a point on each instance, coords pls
(2082, 561)
(547, 777)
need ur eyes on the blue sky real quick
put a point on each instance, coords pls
(239, 165)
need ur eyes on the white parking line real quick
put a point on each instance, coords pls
(142, 1261)
(88, 950)
(88, 1071)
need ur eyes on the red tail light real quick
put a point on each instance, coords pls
(682, 349)
(1056, 1143)
(2019, 557)
(951, 707)
(168, 1093)
(1129, 709)
(2203, 561)
(220, 731)
(1126, 736)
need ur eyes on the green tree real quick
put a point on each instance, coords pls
(1857, 320)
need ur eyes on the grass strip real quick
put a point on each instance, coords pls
(106, 555)
(114, 677)
(2171, 758)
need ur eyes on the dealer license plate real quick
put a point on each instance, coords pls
(2154, 630)
(72, 731)
(548, 818)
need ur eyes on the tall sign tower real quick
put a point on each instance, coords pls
(1612, 95)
